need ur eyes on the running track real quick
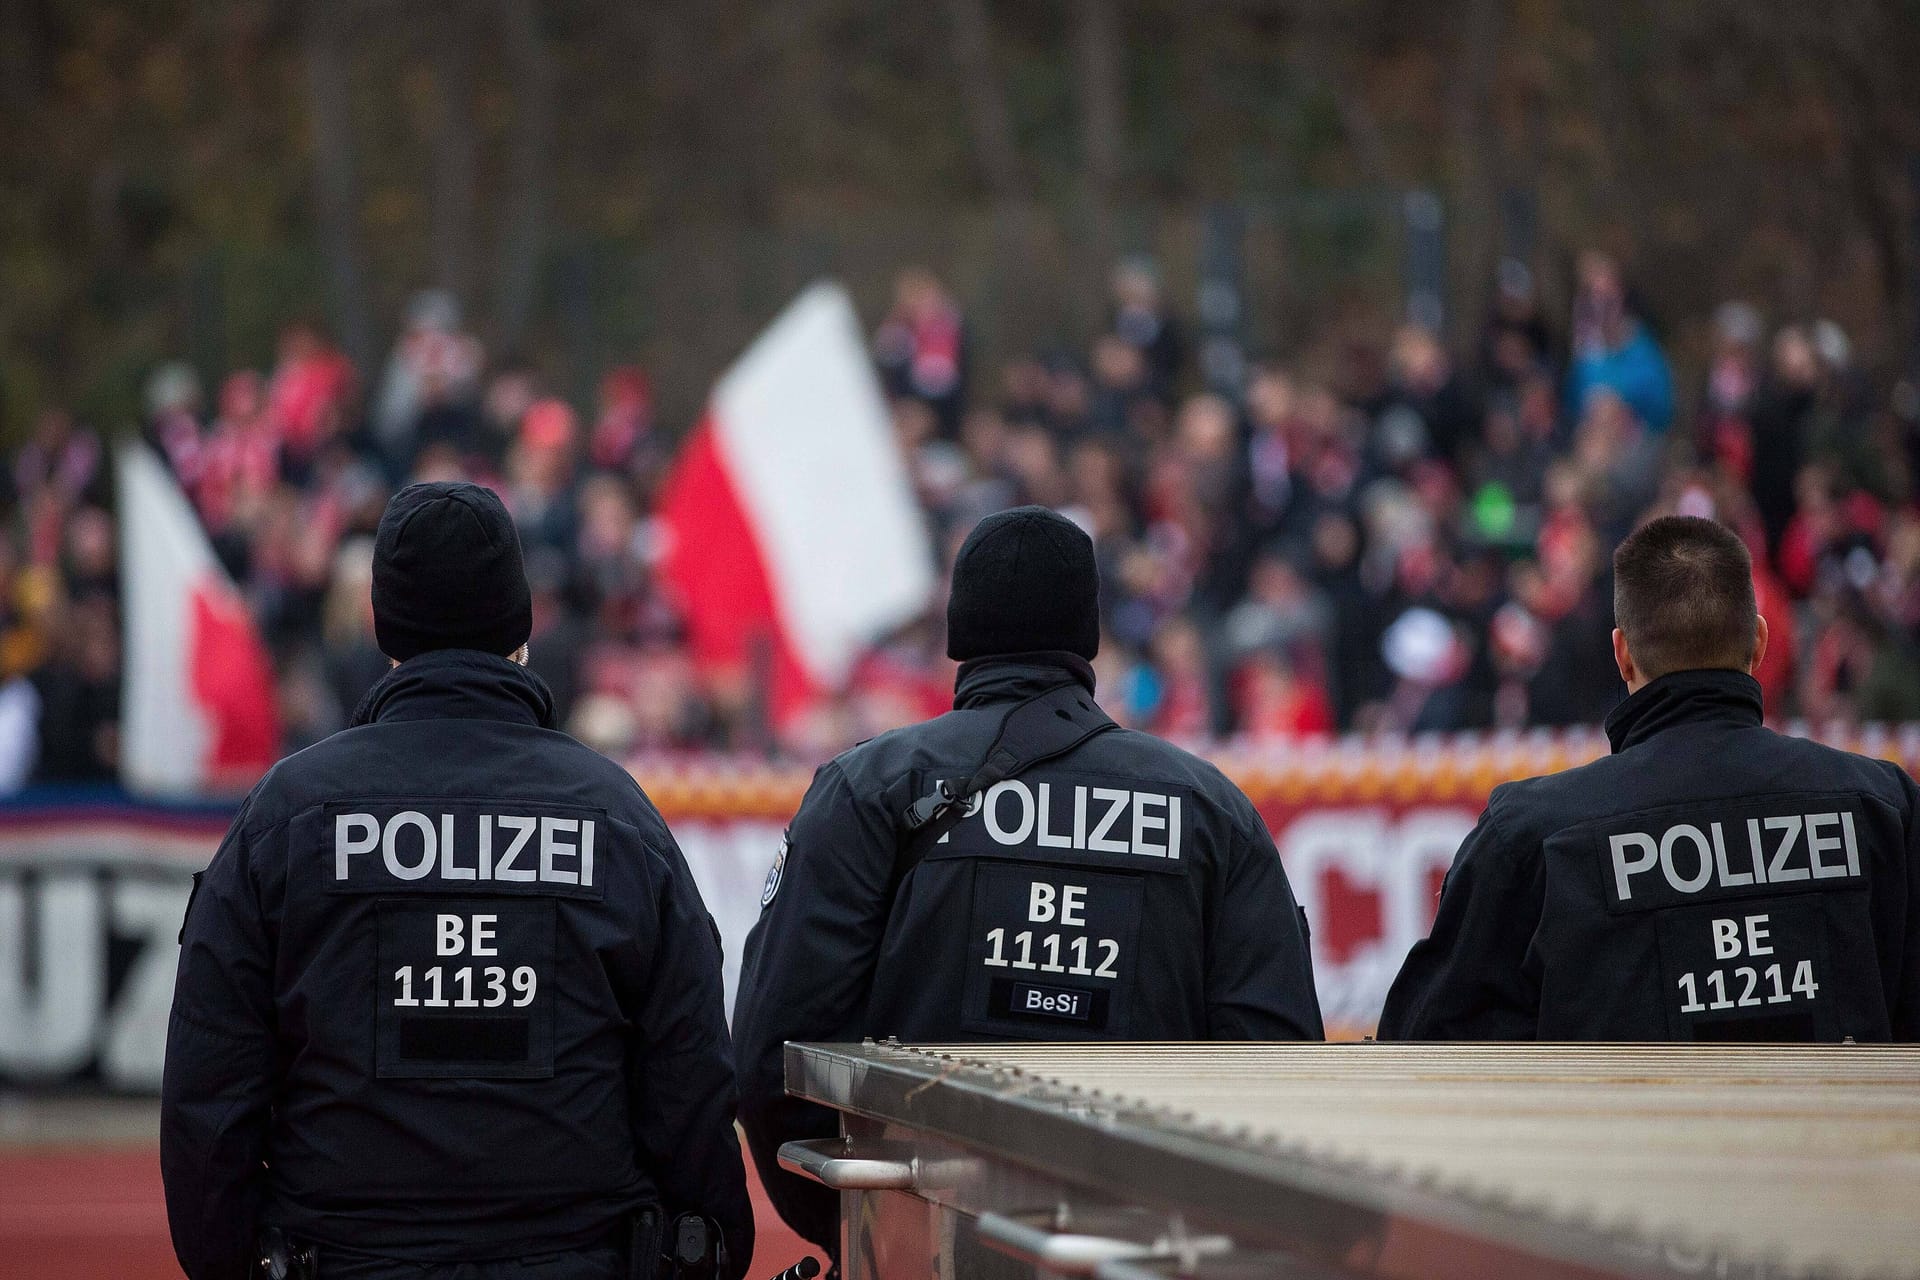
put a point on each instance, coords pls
(95, 1213)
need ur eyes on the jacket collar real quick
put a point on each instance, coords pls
(1014, 677)
(458, 684)
(1686, 697)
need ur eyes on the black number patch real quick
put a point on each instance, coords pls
(1751, 970)
(1051, 950)
(464, 988)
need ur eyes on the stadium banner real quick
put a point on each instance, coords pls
(93, 886)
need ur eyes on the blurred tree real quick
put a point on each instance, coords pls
(1474, 166)
(325, 36)
(456, 150)
(1100, 72)
(990, 126)
(524, 199)
(182, 176)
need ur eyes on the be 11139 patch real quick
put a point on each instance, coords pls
(464, 989)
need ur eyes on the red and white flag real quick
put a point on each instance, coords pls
(793, 536)
(197, 707)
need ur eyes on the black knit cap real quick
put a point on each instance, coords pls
(1025, 580)
(447, 573)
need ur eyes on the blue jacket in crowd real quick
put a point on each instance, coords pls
(1636, 371)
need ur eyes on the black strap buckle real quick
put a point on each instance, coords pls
(1047, 725)
(931, 806)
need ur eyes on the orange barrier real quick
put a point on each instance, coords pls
(1431, 768)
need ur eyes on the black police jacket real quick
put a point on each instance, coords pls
(446, 992)
(1124, 891)
(1709, 880)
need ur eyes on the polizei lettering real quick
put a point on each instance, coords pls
(1085, 818)
(1735, 856)
(428, 849)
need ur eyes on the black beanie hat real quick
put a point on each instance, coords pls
(447, 573)
(1024, 580)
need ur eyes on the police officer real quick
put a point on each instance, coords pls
(449, 1003)
(1087, 883)
(1709, 880)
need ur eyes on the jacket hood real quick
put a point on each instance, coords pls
(458, 684)
(1686, 697)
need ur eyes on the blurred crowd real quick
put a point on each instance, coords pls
(1389, 535)
(1383, 534)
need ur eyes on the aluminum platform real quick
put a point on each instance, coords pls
(1372, 1159)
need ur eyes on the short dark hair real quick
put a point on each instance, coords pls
(1683, 595)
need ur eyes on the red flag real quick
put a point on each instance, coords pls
(197, 710)
(793, 537)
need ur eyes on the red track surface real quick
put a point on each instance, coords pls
(95, 1213)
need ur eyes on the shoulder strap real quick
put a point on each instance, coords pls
(1044, 727)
